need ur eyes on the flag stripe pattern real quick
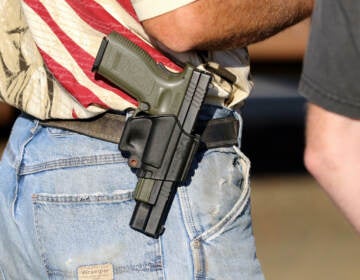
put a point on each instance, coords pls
(48, 48)
(68, 33)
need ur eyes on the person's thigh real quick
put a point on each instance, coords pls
(212, 216)
(66, 202)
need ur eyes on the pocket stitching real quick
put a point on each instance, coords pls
(237, 208)
(124, 195)
(40, 198)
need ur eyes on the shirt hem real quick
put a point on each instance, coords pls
(148, 9)
(323, 98)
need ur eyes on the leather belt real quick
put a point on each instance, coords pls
(214, 133)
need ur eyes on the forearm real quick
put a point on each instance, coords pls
(218, 24)
(333, 156)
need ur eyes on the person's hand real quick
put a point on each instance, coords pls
(6, 115)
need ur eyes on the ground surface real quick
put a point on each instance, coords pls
(300, 234)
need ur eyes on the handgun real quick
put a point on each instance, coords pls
(158, 138)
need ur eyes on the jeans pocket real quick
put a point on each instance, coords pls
(92, 231)
(216, 211)
(218, 194)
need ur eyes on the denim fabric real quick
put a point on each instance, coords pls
(66, 201)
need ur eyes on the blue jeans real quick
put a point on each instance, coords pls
(66, 201)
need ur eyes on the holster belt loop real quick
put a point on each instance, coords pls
(109, 127)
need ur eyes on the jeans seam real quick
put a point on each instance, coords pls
(18, 164)
(182, 216)
(199, 259)
(190, 230)
(187, 216)
(39, 241)
(161, 251)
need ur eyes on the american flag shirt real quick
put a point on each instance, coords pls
(48, 47)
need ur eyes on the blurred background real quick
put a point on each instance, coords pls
(299, 232)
